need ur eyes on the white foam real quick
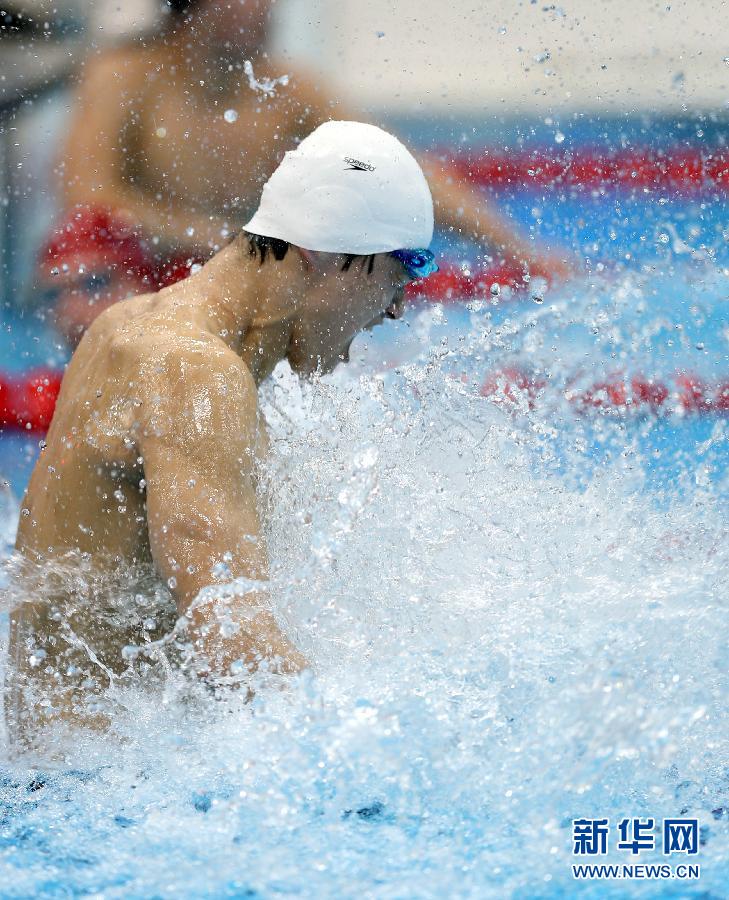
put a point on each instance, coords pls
(506, 635)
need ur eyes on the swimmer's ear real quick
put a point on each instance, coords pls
(319, 262)
(310, 258)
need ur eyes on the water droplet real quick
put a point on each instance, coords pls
(230, 116)
(663, 238)
(495, 289)
(172, 583)
(37, 656)
(222, 571)
(380, 34)
(502, 29)
(161, 132)
(537, 298)
(558, 137)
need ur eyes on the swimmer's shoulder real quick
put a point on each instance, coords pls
(200, 356)
(184, 368)
(197, 393)
(111, 326)
(139, 342)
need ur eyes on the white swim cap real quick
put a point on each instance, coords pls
(347, 188)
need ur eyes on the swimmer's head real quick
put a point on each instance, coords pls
(349, 187)
(231, 23)
(356, 205)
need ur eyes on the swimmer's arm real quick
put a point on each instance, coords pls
(202, 516)
(464, 209)
(97, 151)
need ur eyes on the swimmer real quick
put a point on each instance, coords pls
(145, 177)
(151, 455)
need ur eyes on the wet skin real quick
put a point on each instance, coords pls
(150, 458)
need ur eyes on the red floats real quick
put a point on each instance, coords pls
(682, 393)
(27, 402)
(680, 169)
(512, 385)
(451, 284)
(93, 239)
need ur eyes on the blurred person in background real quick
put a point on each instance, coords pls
(162, 128)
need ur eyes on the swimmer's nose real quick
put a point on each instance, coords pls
(395, 310)
(344, 355)
(397, 306)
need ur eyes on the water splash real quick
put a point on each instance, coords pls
(509, 627)
(265, 86)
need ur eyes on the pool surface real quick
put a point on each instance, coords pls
(511, 581)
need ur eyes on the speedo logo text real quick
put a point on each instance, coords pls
(358, 165)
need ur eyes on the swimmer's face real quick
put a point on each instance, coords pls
(344, 303)
(236, 22)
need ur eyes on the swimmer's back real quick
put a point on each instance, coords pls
(86, 492)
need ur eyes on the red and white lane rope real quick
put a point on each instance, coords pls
(27, 401)
(671, 169)
(454, 285)
(682, 393)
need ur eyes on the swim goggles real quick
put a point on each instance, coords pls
(418, 263)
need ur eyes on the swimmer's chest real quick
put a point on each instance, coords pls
(212, 151)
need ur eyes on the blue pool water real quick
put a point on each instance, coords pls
(517, 616)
